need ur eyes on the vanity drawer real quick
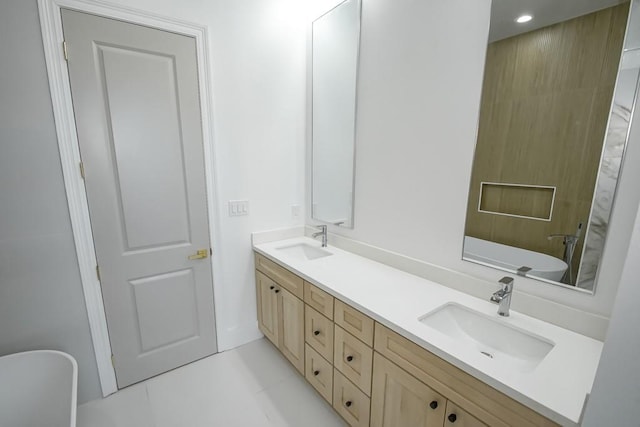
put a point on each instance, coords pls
(280, 275)
(318, 332)
(354, 322)
(479, 399)
(354, 359)
(318, 299)
(458, 417)
(319, 373)
(348, 401)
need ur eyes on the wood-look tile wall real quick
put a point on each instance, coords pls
(545, 105)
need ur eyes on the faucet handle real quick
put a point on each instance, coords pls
(507, 282)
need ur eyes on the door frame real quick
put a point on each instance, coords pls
(60, 88)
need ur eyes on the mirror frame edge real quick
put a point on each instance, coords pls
(636, 99)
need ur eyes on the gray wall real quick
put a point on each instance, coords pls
(41, 301)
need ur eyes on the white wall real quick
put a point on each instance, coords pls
(258, 75)
(615, 397)
(41, 302)
(419, 89)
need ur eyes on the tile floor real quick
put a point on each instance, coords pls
(250, 386)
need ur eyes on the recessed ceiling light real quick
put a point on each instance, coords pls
(524, 18)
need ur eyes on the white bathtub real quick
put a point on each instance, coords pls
(38, 389)
(510, 258)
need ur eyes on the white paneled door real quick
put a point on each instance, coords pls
(137, 108)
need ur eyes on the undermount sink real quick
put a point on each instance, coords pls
(304, 251)
(511, 348)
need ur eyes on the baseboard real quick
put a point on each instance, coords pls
(237, 336)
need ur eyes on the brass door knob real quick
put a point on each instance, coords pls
(202, 253)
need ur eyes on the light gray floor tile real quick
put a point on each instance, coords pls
(252, 385)
(127, 408)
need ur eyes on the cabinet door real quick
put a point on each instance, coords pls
(457, 417)
(291, 329)
(400, 400)
(267, 307)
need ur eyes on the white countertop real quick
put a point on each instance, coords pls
(556, 388)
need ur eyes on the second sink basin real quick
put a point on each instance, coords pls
(304, 251)
(512, 348)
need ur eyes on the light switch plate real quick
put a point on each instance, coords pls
(238, 207)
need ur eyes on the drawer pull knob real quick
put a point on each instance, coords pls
(433, 404)
(316, 373)
(316, 332)
(452, 418)
(272, 287)
(349, 358)
(277, 290)
(348, 403)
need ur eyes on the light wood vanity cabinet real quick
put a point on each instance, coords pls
(319, 300)
(475, 402)
(280, 275)
(354, 359)
(354, 322)
(267, 307)
(371, 375)
(291, 331)
(458, 417)
(400, 400)
(350, 360)
(319, 373)
(318, 332)
(350, 402)
(281, 318)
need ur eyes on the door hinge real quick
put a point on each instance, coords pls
(113, 361)
(98, 273)
(82, 170)
(65, 51)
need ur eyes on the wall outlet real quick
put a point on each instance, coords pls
(295, 211)
(238, 207)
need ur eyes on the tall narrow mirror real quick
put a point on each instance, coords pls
(335, 42)
(551, 138)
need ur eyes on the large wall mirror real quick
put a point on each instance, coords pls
(557, 99)
(335, 44)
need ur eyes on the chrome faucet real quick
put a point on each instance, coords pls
(570, 241)
(323, 233)
(503, 296)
